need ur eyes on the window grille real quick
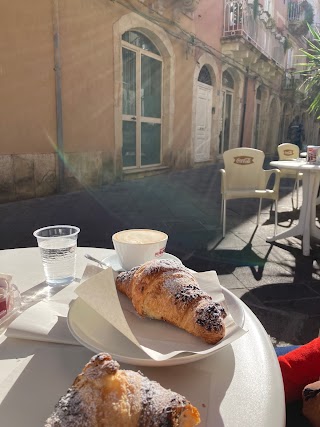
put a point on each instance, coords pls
(139, 40)
(205, 76)
(227, 80)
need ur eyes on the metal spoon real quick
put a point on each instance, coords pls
(101, 263)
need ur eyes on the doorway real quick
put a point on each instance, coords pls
(226, 117)
(203, 116)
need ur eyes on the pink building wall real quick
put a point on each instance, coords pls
(249, 119)
(280, 13)
(209, 23)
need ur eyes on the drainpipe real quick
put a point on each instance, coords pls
(245, 93)
(57, 69)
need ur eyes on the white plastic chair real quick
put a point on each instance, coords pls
(288, 151)
(243, 177)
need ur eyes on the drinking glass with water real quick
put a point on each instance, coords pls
(58, 244)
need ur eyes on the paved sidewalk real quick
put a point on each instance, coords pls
(279, 284)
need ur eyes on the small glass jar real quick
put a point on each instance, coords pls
(4, 296)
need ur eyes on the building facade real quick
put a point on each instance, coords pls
(97, 91)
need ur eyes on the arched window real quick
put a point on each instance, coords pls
(140, 40)
(141, 101)
(203, 115)
(227, 80)
(205, 76)
(259, 93)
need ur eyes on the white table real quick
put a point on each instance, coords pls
(240, 385)
(306, 226)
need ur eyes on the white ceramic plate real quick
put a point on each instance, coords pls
(113, 260)
(98, 335)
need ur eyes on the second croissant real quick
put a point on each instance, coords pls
(166, 290)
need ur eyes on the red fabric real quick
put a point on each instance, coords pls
(299, 368)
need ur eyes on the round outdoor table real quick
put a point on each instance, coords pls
(239, 385)
(306, 226)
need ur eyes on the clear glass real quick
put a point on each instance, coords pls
(151, 77)
(150, 143)
(140, 40)
(58, 244)
(129, 81)
(129, 151)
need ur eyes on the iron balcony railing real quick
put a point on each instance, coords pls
(300, 14)
(293, 81)
(295, 11)
(239, 20)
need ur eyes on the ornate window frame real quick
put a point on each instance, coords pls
(158, 36)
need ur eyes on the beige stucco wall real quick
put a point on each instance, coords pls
(250, 112)
(27, 91)
(28, 116)
(182, 126)
(87, 74)
(27, 100)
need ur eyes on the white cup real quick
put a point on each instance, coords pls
(137, 246)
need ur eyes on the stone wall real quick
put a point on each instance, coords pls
(26, 176)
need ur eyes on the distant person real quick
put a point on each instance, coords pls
(296, 132)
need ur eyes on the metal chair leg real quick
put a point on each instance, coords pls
(296, 189)
(275, 216)
(224, 206)
(259, 212)
(292, 195)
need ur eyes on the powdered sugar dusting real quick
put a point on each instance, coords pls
(210, 316)
(162, 264)
(78, 407)
(183, 287)
(88, 403)
(185, 291)
(126, 276)
(182, 291)
(100, 365)
(73, 410)
(159, 406)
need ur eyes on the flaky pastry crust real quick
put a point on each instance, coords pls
(105, 396)
(166, 290)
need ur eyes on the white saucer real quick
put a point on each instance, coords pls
(94, 332)
(113, 260)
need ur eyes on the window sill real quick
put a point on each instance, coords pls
(145, 169)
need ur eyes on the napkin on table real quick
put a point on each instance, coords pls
(46, 320)
(100, 293)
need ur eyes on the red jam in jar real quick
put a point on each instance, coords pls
(4, 297)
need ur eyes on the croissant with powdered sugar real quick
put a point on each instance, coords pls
(164, 289)
(105, 396)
